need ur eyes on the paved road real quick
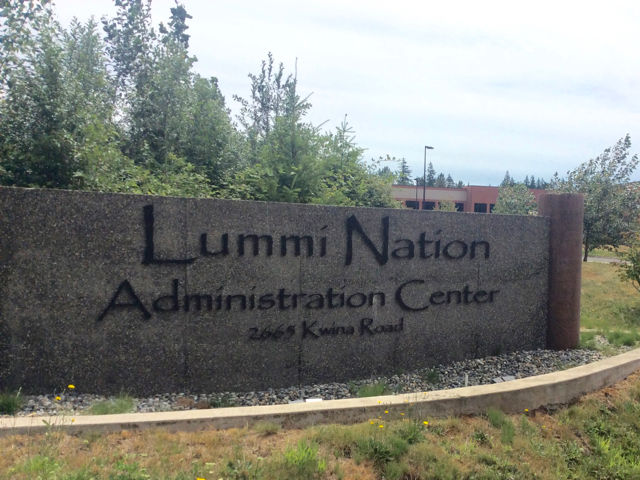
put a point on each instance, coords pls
(603, 259)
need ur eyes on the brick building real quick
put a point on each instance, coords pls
(473, 198)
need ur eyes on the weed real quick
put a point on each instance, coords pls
(572, 453)
(225, 401)
(39, 465)
(378, 452)
(488, 460)
(431, 376)
(481, 437)
(374, 390)
(121, 404)
(398, 446)
(243, 469)
(496, 417)
(353, 388)
(128, 471)
(627, 339)
(395, 470)
(10, 403)
(302, 461)
(267, 428)
(525, 427)
(508, 432)
(411, 431)
(588, 340)
(337, 472)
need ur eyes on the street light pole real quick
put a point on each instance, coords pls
(424, 178)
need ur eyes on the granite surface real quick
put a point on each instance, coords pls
(154, 294)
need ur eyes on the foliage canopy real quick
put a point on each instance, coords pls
(125, 111)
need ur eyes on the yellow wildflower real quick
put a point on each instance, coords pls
(425, 422)
(57, 399)
(71, 387)
(386, 411)
(371, 422)
(381, 426)
(402, 414)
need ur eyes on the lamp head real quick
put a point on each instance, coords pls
(428, 148)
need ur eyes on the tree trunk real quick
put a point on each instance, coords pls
(586, 248)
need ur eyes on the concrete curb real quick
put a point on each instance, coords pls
(511, 397)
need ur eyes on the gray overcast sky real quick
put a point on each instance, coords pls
(532, 88)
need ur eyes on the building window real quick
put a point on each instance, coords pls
(412, 204)
(460, 207)
(428, 205)
(480, 207)
(491, 207)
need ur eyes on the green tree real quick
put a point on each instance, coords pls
(431, 176)
(507, 180)
(449, 182)
(441, 182)
(56, 88)
(629, 267)
(515, 199)
(385, 172)
(404, 173)
(611, 202)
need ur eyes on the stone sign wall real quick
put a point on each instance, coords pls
(154, 294)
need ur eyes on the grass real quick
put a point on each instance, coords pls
(374, 390)
(121, 404)
(596, 438)
(267, 428)
(10, 403)
(605, 252)
(607, 303)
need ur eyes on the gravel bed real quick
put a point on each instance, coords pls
(473, 372)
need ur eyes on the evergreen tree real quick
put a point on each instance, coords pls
(532, 182)
(507, 180)
(440, 181)
(384, 172)
(431, 176)
(449, 182)
(404, 173)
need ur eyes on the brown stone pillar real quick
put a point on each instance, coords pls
(566, 211)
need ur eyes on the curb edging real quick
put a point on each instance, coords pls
(511, 397)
